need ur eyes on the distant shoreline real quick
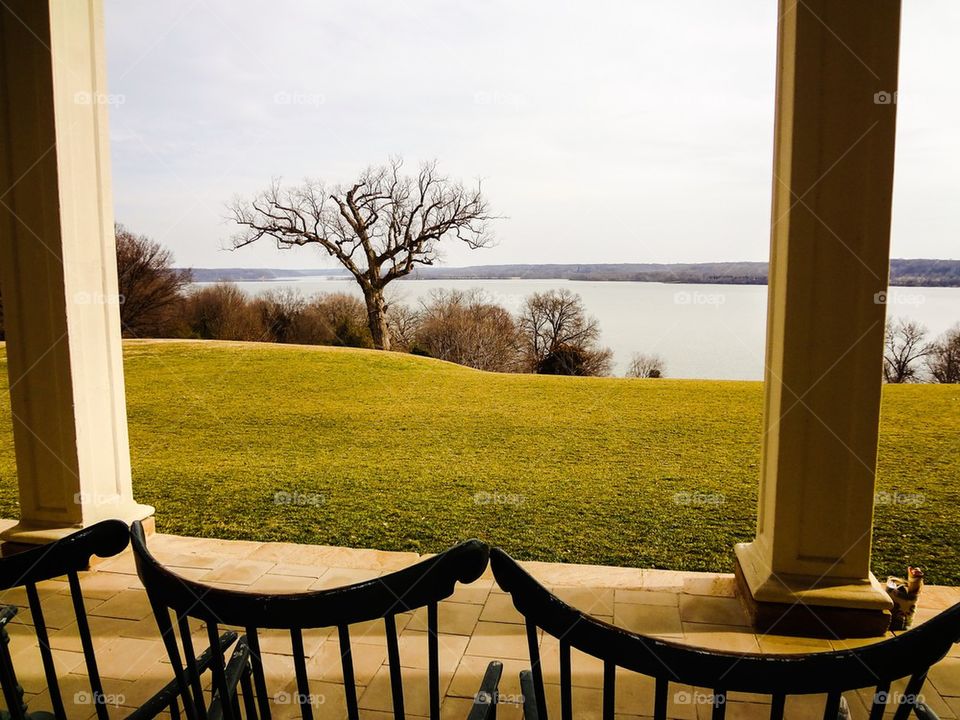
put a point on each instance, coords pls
(903, 273)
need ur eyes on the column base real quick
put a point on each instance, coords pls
(808, 606)
(31, 532)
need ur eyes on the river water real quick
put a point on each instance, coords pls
(701, 331)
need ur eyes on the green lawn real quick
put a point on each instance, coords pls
(398, 452)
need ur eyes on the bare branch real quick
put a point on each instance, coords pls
(380, 227)
(905, 345)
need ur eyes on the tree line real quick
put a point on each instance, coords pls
(551, 334)
(910, 356)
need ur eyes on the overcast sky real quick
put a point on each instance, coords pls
(629, 131)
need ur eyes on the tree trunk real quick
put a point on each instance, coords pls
(377, 319)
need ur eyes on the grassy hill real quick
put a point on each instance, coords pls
(353, 447)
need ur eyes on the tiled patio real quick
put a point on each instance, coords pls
(478, 624)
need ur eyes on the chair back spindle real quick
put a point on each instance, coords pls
(67, 558)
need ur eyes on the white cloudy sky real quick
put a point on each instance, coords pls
(606, 131)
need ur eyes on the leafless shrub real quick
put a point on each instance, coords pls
(559, 338)
(646, 366)
(150, 288)
(403, 322)
(333, 319)
(468, 329)
(279, 312)
(943, 361)
(905, 347)
(223, 312)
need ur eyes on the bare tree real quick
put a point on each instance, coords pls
(150, 288)
(334, 319)
(646, 366)
(404, 321)
(280, 312)
(904, 347)
(379, 228)
(468, 329)
(560, 338)
(943, 362)
(223, 312)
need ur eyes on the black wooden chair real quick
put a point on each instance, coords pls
(243, 679)
(67, 557)
(909, 655)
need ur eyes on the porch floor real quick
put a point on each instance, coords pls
(478, 624)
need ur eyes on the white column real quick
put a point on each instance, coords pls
(809, 567)
(59, 276)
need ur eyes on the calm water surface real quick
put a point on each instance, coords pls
(701, 331)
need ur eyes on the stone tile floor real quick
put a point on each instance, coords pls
(477, 624)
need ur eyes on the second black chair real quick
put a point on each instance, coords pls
(422, 585)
